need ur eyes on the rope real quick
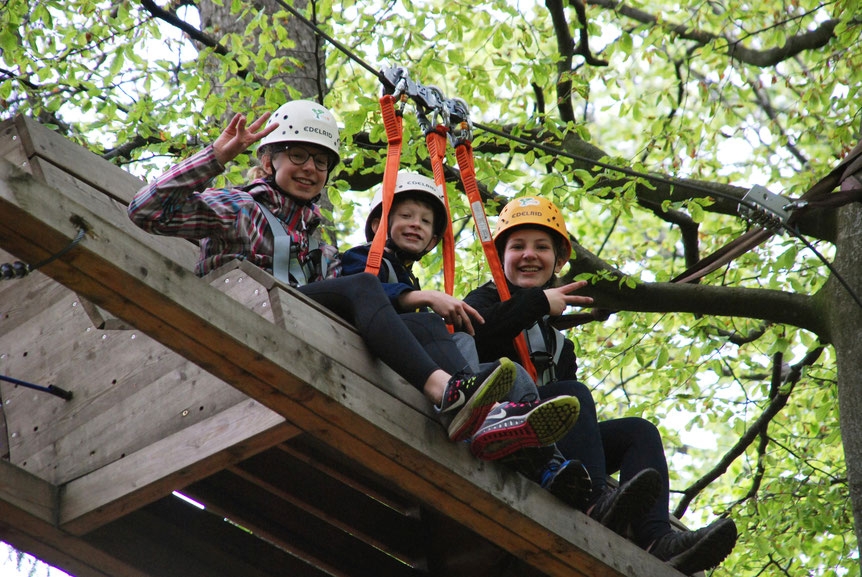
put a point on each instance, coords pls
(693, 273)
(18, 269)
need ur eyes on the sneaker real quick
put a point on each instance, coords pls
(470, 397)
(691, 551)
(513, 426)
(569, 482)
(617, 508)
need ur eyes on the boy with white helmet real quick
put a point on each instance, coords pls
(270, 223)
(417, 219)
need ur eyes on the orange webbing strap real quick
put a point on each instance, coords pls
(392, 124)
(436, 151)
(464, 154)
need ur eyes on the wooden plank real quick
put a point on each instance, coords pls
(21, 299)
(11, 145)
(38, 143)
(178, 251)
(294, 528)
(170, 464)
(130, 390)
(28, 493)
(309, 450)
(335, 504)
(28, 512)
(58, 549)
(318, 392)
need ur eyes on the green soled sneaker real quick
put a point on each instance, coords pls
(513, 426)
(470, 397)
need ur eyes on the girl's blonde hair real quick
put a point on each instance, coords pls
(257, 171)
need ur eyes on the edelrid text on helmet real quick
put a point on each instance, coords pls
(304, 121)
(536, 212)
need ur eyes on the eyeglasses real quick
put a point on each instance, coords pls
(299, 156)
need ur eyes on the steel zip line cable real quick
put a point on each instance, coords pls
(558, 152)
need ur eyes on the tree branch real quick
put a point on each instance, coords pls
(565, 46)
(611, 293)
(174, 20)
(759, 428)
(809, 40)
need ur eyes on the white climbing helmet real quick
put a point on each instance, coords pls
(419, 185)
(306, 122)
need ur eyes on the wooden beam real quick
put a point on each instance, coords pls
(171, 463)
(28, 493)
(325, 395)
(28, 511)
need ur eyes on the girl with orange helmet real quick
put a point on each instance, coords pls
(533, 245)
(417, 219)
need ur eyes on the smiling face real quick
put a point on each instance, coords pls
(411, 226)
(529, 258)
(302, 181)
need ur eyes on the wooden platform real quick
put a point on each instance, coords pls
(310, 457)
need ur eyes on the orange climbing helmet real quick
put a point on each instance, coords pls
(534, 212)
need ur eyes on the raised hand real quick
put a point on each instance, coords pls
(237, 137)
(559, 297)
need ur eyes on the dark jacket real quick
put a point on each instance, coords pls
(505, 320)
(353, 262)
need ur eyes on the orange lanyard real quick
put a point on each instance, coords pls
(464, 154)
(436, 151)
(454, 111)
(393, 125)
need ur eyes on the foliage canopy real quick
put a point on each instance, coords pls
(729, 94)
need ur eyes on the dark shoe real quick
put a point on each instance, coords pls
(617, 508)
(569, 482)
(514, 426)
(693, 551)
(469, 397)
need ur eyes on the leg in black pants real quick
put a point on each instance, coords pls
(631, 445)
(583, 441)
(433, 336)
(360, 300)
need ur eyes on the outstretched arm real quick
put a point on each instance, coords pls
(454, 311)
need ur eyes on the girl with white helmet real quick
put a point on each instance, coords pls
(533, 245)
(270, 223)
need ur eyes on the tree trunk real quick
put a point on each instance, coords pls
(308, 74)
(846, 323)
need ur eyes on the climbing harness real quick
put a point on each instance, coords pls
(440, 118)
(545, 349)
(286, 266)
